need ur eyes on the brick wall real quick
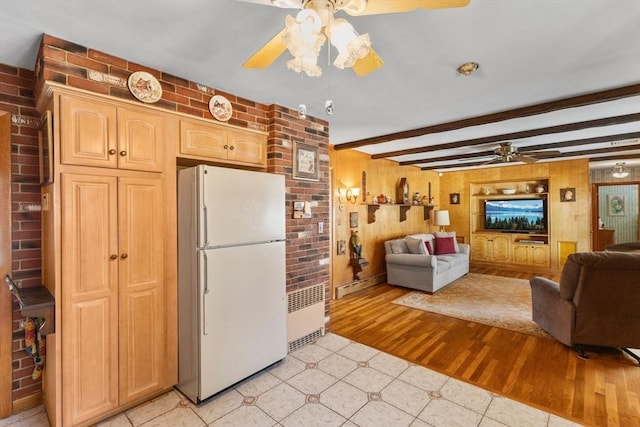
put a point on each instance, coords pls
(16, 96)
(307, 250)
(70, 64)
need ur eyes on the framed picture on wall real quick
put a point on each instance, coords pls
(616, 205)
(568, 194)
(454, 198)
(305, 161)
(353, 219)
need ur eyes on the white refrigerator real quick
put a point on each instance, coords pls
(231, 277)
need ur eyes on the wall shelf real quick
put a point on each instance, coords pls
(372, 208)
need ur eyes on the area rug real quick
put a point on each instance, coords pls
(496, 301)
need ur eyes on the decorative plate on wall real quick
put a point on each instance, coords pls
(145, 87)
(220, 108)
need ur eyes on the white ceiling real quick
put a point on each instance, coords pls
(529, 51)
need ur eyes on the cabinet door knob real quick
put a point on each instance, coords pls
(232, 147)
(226, 147)
(124, 256)
(113, 256)
(123, 153)
(112, 151)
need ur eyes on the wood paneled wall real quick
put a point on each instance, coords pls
(382, 178)
(568, 221)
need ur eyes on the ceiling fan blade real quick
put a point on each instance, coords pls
(377, 7)
(492, 161)
(542, 154)
(526, 159)
(267, 53)
(287, 4)
(368, 64)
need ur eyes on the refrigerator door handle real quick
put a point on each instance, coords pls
(204, 295)
(205, 244)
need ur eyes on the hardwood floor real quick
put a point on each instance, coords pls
(601, 391)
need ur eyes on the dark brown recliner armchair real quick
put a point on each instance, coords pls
(596, 303)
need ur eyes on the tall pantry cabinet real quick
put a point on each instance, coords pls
(111, 265)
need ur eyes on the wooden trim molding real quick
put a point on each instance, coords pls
(606, 121)
(5, 265)
(531, 110)
(553, 145)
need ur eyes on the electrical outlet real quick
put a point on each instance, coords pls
(321, 227)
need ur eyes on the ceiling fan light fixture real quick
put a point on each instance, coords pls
(619, 171)
(303, 39)
(468, 68)
(350, 45)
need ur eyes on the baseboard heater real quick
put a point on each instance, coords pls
(305, 317)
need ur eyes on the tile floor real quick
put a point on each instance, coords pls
(334, 382)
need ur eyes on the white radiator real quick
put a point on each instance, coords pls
(305, 316)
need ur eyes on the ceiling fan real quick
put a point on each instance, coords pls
(507, 153)
(305, 34)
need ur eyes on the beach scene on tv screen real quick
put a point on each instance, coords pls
(514, 215)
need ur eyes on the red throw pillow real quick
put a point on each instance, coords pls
(427, 244)
(444, 245)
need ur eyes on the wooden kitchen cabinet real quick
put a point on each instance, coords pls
(209, 141)
(113, 319)
(109, 248)
(100, 134)
(491, 247)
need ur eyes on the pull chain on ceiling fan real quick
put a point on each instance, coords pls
(305, 34)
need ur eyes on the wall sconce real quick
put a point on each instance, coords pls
(352, 195)
(441, 219)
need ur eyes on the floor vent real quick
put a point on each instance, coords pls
(307, 339)
(305, 318)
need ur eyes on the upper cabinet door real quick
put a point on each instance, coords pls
(140, 140)
(96, 133)
(87, 132)
(203, 140)
(247, 147)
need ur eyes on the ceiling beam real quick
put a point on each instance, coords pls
(552, 145)
(563, 156)
(531, 110)
(607, 121)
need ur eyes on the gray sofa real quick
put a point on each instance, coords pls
(409, 265)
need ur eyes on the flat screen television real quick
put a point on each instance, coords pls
(516, 215)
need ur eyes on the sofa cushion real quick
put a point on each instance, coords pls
(416, 246)
(449, 234)
(399, 247)
(444, 245)
(427, 244)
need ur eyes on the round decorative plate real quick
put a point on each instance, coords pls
(145, 87)
(220, 108)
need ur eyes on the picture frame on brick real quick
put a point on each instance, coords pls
(305, 161)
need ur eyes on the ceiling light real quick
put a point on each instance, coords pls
(619, 171)
(304, 37)
(350, 45)
(468, 68)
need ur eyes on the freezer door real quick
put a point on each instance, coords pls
(239, 207)
(243, 322)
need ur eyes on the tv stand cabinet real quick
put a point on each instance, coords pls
(516, 248)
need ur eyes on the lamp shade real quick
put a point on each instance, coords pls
(441, 218)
